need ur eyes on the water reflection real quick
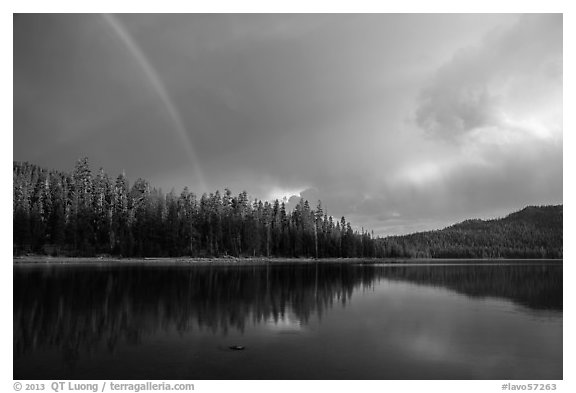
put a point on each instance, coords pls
(535, 286)
(77, 309)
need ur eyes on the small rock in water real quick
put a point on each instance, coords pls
(237, 347)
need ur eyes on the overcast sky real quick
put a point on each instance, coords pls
(399, 122)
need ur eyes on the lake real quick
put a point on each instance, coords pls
(460, 320)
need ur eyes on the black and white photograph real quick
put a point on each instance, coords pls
(287, 196)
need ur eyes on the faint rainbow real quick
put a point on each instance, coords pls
(160, 89)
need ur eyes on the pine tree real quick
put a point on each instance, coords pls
(119, 230)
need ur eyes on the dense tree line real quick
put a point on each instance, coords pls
(86, 214)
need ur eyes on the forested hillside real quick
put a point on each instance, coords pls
(86, 214)
(534, 232)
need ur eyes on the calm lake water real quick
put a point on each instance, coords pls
(295, 321)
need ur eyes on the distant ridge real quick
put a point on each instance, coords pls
(533, 232)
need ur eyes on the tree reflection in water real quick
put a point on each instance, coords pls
(78, 308)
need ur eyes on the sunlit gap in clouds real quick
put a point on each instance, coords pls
(158, 86)
(283, 194)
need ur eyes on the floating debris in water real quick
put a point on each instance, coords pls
(237, 347)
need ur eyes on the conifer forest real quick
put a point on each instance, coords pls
(92, 214)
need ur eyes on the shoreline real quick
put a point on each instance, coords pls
(48, 260)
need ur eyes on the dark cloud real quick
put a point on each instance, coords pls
(450, 110)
